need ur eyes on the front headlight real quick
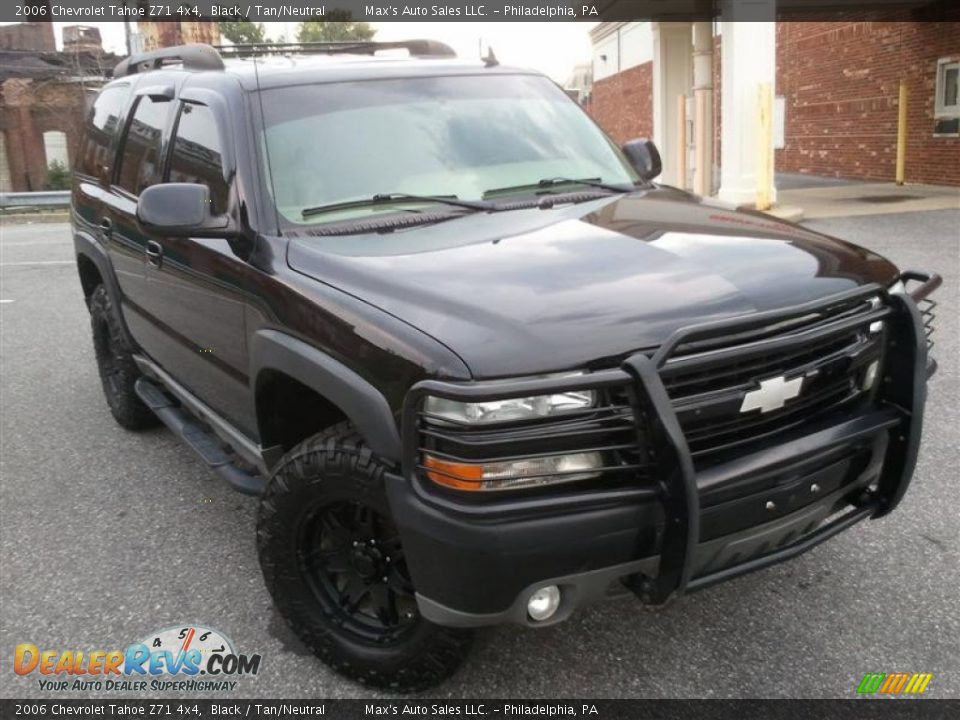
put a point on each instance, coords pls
(456, 421)
(510, 409)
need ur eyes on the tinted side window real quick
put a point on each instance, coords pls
(197, 154)
(103, 122)
(140, 154)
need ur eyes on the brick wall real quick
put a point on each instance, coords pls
(841, 83)
(29, 108)
(156, 35)
(623, 103)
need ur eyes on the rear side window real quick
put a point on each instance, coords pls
(198, 154)
(139, 164)
(103, 122)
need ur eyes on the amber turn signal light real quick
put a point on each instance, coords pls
(460, 476)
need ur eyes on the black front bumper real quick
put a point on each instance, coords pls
(476, 564)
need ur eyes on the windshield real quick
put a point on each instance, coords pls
(454, 136)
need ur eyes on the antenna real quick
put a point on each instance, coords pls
(490, 60)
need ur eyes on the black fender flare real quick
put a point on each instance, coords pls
(86, 246)
(361, 402)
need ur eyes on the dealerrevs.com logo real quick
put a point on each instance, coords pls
(186, 658)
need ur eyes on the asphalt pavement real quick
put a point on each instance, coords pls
(107, 536)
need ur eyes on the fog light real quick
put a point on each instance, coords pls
(543, 603)
(870, 376)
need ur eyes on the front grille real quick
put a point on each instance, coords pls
(707, 380)
(744, 373)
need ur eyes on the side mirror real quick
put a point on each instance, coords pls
(643, 157)
(180, 210)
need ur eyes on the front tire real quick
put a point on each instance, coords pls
(332, 560)
(118, 371)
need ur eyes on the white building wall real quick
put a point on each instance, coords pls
(636, 44)
(627, 46)
(606, 57)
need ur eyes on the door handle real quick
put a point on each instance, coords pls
(154, 253)
(106, 226)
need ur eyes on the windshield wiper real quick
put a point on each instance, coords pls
(548, 183)
(395, 199)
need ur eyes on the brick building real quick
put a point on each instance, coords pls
(153, 35)
(42, 102)
(836, 86)
(841, 86)
(44, 94)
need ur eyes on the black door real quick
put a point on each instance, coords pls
(194, 286)
(138, 166)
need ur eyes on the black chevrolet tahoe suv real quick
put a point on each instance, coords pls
(477, 366)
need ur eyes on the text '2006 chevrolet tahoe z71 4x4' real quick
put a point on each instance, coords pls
(478, 367)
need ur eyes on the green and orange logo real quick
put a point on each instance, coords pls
(898, 683)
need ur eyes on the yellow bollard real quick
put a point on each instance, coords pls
(701, 158)
(765, 148)
(902, 134)
(682, 142)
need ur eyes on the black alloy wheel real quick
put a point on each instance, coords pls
(352, 558)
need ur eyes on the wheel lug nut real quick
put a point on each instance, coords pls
(384, 578)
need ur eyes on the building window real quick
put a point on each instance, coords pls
(55, 148)
(948, 88)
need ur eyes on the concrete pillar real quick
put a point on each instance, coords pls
(672, 76)
(703, 108)
(748, 58)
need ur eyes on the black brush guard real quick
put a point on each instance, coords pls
(674, 475)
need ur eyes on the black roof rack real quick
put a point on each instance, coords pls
(416, 48)
(199, 56)
(194, 57)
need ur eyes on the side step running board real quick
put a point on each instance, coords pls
(207, 445)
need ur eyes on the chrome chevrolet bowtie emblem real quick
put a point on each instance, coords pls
(772, 394)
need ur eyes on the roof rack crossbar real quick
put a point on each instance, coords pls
(199, 56)
(196, 56)
(416, 48)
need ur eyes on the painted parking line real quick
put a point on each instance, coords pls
(38, 262)
(20, 243)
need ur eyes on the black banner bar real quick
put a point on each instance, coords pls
(83, 11)
(856, 709)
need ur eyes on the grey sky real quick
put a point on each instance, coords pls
(550, 47)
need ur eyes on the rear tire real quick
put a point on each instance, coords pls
(332, 560)
(118, 371)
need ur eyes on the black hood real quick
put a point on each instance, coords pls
(543, 290)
